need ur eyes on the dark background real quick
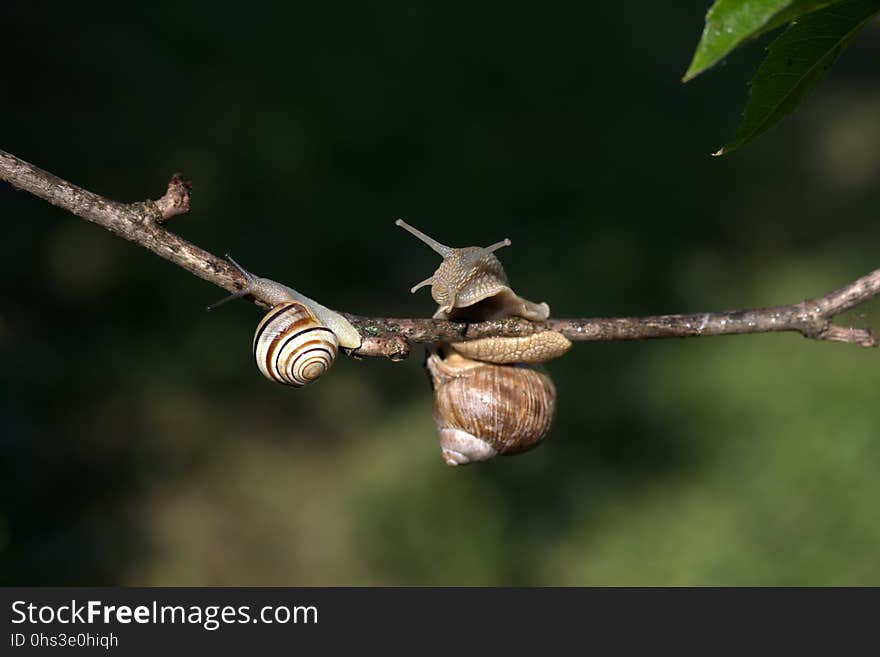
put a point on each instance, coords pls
(140, 444)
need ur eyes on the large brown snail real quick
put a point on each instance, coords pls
(298, 339)
(488, 399)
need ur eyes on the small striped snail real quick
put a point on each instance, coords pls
(298, 339)
(488, 400)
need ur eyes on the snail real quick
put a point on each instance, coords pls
(298, 339)
(470, 284)
(488, 400)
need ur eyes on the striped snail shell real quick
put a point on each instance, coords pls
(292, 347)
(298, 339)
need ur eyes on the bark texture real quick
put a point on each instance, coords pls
(144, 223)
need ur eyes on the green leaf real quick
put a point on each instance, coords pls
(795, 63)
(797, 9)
(730, 23)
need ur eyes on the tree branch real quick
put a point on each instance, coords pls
(143, 223)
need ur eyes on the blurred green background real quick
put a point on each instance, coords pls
(140, 444)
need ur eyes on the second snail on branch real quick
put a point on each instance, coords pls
(489, 398)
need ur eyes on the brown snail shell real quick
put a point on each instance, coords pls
(484, 409)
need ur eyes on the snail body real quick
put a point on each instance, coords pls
(488, 400)
(277, 294)
(298, 339)
(534, 348)
(470, 284)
